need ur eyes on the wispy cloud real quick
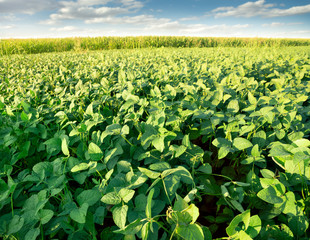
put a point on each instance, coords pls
(64, 29)
(259, 8)
(5, 27)
(26, 6)
(279, 24)
(189, 19)
(273, 24)
(92, 10)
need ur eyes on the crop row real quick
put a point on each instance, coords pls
(20, 46)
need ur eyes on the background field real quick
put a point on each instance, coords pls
(13, 46)
(163, 143)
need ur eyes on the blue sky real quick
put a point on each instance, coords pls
(220, 18)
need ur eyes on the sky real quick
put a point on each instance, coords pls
(216, 18)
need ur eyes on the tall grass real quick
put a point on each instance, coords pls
(12, 46)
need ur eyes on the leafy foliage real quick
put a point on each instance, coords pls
(155, 144)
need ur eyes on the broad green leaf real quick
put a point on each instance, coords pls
(32, 234)
(193, 211)
(131, 228)
(241, 143)
(80, 167)
(244, 236)
(221, 142)
(302, 142)
(252, 99)
(298, 224)
(120, 215)
(45, 215)
(269, 195)
(149, 173)
(233, 226)
(190, 232)
(126, 194)
(205, 168)
(288, 206)
(91, 197)
(160, 166)
(233, 106)
(180, 150)
(16, 224)
(94, 152)
(259, 138)
(223, 151)
(89, 110)
(159, 143)
(266, 173)
(79, 215)
(111, 198)
(255, 226)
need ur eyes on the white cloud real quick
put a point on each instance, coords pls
(279, 24)
(135, 20)
(64, 29)
(180, 29)
(259, 8)
(189, 19)
(92, 11)
(6, 27)
(26, 6)
(273, 24)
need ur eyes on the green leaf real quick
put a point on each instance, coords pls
(16, 224)
(302, 142)
(45, 215)
(120, 215)
(190, 232)
(223, 151)
(241, 143)
(259, 138)
(221, 142)
(269, 195)
(24, 117)
(252, 99)
(244, 236)
(233, 226)
(89, 110)
(193, 211)
(205, 168)
(145, 230)
(94, 152)
(90, 197)
(160, 166)
(148, 209)
(32, 234)
(180, 150)
(159, 143)
(79, 215)
(64, 147)
(288, 206)
(233, 106)
(255, 226)
(149, 173)
(111, 198)
(126, 194)
(80, 167)
(266, 173)
(118, 150)
(298, 224)
(131, 228)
